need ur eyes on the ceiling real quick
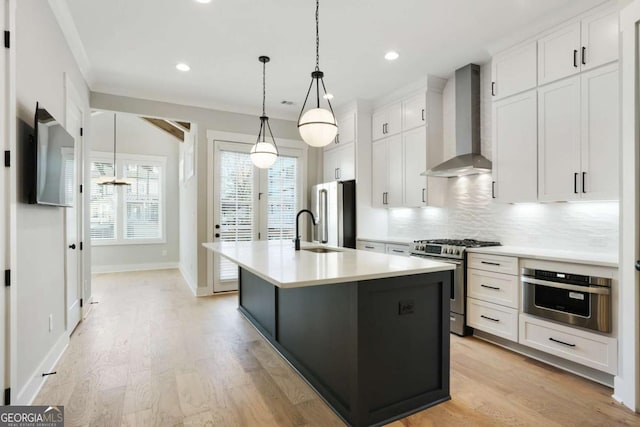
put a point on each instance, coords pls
(131, 47)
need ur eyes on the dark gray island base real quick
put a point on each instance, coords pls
(375, 350)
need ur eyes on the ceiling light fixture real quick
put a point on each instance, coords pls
(318, 126)
(183, 67)
(204, 1)
(112, 180)
(391, 56)
(264, 153)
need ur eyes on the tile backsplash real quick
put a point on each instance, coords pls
(470, 212)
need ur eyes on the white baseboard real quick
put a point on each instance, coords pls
(31, 389)
(133, 267)
(187, 278)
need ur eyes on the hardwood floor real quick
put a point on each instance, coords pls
(150, 353)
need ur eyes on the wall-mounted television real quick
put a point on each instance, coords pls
(52, 162)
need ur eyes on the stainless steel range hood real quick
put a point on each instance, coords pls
(468, 160)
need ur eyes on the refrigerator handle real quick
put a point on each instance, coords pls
(323, 229)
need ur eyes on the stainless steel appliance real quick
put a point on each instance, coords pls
(452, 251)
(334, 207)
(574, 299)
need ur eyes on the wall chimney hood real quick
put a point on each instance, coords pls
(468, 160)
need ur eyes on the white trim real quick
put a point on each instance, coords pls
(66, 23)
(627, 383)
(188, 279)
(102, 269)
(36, 381)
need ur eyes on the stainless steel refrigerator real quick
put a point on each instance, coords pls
(334, 207)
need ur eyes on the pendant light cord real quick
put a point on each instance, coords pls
(264, 87)
(317, 35)
(114, 145)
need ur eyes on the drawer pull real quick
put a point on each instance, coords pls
(370, 247)
(490, 263)
(490, 287)
(491, 318)
(562, 342)
(398, 251)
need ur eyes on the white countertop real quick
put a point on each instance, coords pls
(277, 262)
(391, 240)
(603, 260)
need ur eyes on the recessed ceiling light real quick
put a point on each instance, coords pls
(183, 67)
(204, 1)
(391, 56)
(328, 96)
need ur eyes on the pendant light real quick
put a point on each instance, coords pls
(318, 126)
(264, 152)
(112, 180)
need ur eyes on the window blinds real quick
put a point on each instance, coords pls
(142, 202)
(281, 200)
(102, 203)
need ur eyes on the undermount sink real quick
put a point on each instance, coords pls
(321, 250)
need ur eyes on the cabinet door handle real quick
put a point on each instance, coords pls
(423, 114)
(575, 58)
(397, 250)
(584, 174)
(575, 183)
(493, 88)
(489, 318)
(337, 141)
(490, 287)
(369, 247)
(424, 195)
(339, 172)
(490, 263)
(493, 189)
(584, 55)
(335, 173)
(561, 342)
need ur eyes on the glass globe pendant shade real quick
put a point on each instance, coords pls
(318, 127)
(263, 154)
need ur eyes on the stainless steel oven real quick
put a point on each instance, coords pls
(575, 299)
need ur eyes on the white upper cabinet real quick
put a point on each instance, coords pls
(339, 163)
(346, 130)
(559, 140)
(600, 134)
(559, 54)
(579, 133)
(514, 71)
(414, 112)
(414, 144)
(387, 172)
(387, 121)
(515, 154)
(599, 40)
(579, 46)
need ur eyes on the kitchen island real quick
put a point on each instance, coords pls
(369, 331)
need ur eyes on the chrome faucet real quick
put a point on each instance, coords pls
(313, 220)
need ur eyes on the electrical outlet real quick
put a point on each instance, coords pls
(50, 322)
(405, 307)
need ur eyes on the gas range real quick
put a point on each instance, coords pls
(452, 251)
(447, 248)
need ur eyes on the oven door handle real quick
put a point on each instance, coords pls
(586, 289)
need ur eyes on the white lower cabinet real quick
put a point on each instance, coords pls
(580, 346)
(394, 249)
(491, 287)
(493, 318)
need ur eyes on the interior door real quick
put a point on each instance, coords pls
(4, 205)
(72, 219)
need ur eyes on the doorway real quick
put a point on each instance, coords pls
(251, 203)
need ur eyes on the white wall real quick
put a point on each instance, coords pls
(189, 218)
(137, 136)
(471, 213)
(42, 58)
(204, 119)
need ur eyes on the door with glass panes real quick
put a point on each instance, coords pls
(252, 203)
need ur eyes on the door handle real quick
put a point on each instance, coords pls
(584, 55)
(424, 195)
(339, 173)
(493, 88)
(72, 246)
(584, 174)
(217, 234)
(493, 189)
(638, 265)
(575, 183)
(423, 114)
(575, 58)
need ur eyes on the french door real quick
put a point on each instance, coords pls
(251, 203)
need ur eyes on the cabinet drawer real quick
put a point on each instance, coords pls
(370, 246)
(589, 349)
(397, 249)
(492, 318)
(495, 263)
(492, 287)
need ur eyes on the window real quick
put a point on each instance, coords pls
(282, 199)
(131, 214)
